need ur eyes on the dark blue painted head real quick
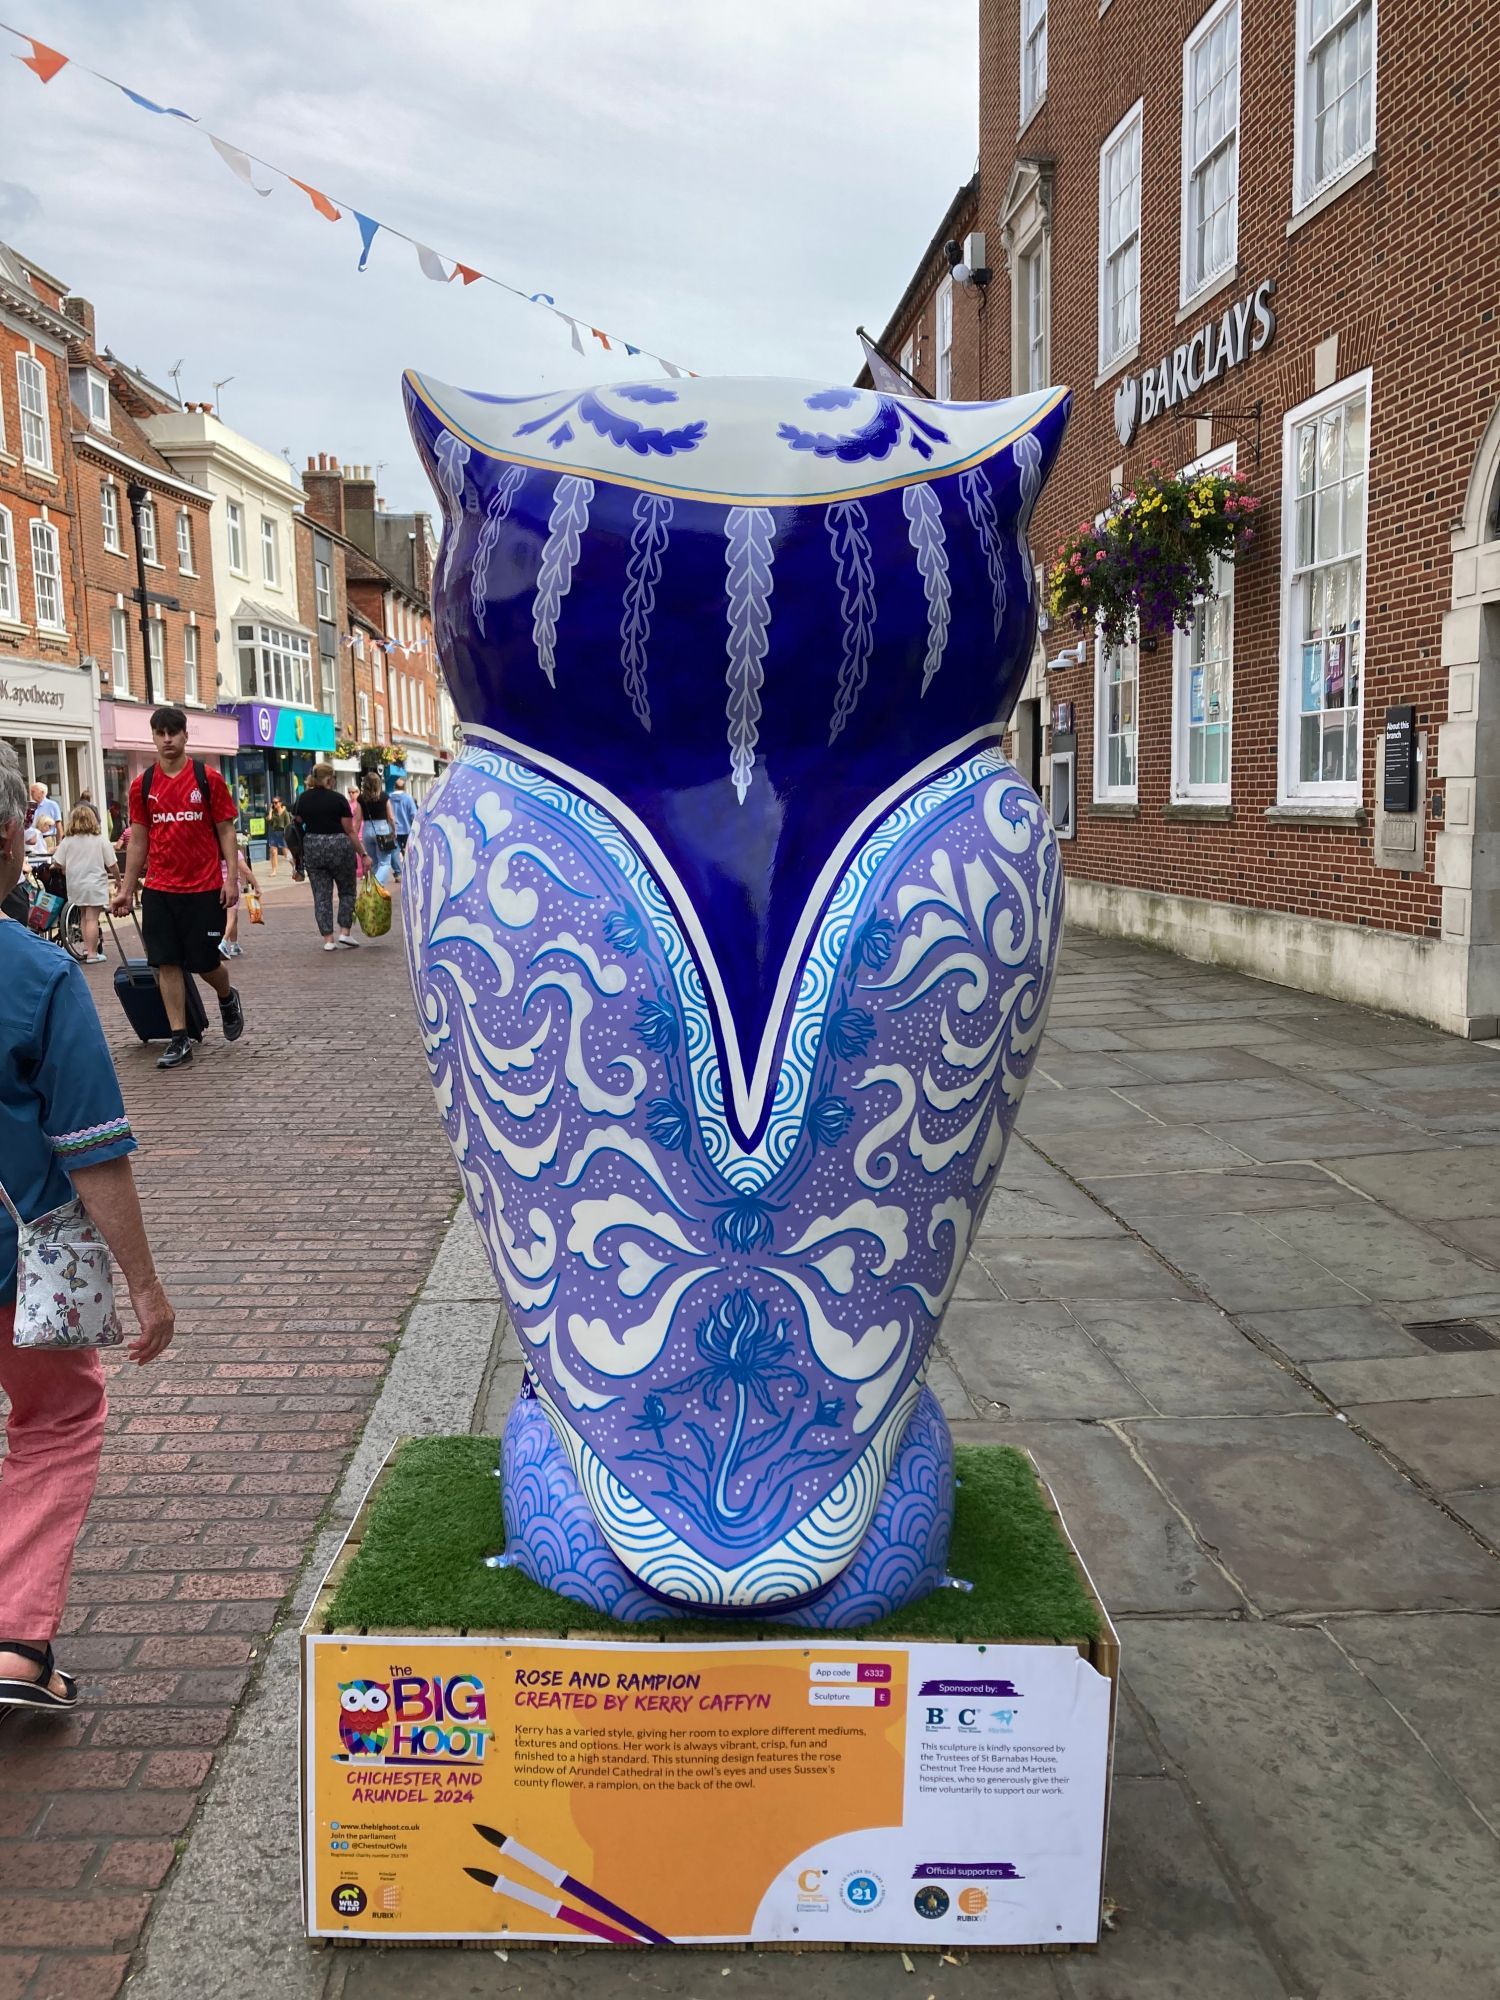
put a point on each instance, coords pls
(741, 611)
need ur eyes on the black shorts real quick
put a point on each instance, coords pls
(182, 930)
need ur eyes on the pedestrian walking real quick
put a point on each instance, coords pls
(329, 854)
(278, 819)
(182, 840)
(377, 831)
(229, 944)
(404, 813)
(88, 861)
(63, 1132)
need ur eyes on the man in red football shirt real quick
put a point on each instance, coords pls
(184, 843)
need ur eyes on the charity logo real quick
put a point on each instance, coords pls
(812, 1890)
(862, 1891)
(348, 1900)
(1127, 409)
(414, 1719)
(930, 1901)
(973, 1901)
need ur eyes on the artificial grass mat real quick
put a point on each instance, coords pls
(437, 1516)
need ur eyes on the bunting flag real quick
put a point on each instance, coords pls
(319, 201)
(45, 62)
(237, 162)
(161, 110)
(367, 231)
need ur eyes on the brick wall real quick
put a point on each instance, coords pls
(28, 494)
(1402, 266)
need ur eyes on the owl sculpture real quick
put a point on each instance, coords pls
(731, 932)
(364, 1717)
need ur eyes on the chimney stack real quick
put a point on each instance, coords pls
(325, 492)
(81, 312)
(359, 507)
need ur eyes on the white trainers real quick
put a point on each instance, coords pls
(330, 946)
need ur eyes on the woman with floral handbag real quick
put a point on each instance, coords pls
(68, 1192)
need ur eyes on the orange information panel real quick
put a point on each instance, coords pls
(649, 1794)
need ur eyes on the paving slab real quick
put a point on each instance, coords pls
(1239, 1190)
(1429, 1670)
(1356, 1852)
(1448, 1184)
(690, 1975)
(1046, 1204)
(1480, 1238)
(1413, 1378)
(1133, 1755)
(1481, 1510)
(1052, 1110)
(1137, 1149)
(1034, 1361)
(1139, 1550)
(1189, 1359)
(1379, 1254)
(1306, 1517)
(1201, 1035)
(1453, 1444)
(1075, 1267)
(462, 1271)
(1213, 1104)
(1245, 1265)
(1182, 1931)
(1322, 1138)
(1077, 1072)
(1210, 1065)
(1334, 1333)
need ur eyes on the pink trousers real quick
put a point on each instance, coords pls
(55, 1433)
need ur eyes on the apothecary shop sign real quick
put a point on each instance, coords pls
(1243, 329)
(42, 694)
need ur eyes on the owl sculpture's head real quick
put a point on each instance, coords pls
(732, 659)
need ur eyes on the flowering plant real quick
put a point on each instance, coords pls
(1148, 559)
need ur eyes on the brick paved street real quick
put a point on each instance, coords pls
(295, 1188)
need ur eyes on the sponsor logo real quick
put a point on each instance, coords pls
(348, 1900)
(862, 1891)
(973, 1901)
(930, 1901)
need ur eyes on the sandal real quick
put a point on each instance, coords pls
(37, 1694)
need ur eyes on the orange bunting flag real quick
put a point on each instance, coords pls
(46, 62)
(468, 276)
(602, 338)
(319, 201)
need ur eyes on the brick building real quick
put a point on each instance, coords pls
(390, 680)
(49, 701)
(1231, 229)
(137, 517)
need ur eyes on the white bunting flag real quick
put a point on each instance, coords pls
(432, 264)
(236, 161)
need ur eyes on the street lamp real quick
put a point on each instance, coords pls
(137, 494)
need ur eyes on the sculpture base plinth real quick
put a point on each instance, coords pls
(939, 1779)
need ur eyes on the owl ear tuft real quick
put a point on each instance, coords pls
(444, 456)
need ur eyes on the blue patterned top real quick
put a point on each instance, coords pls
(60, 1103)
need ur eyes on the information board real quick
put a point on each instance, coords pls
(627, 1794)
(1400, 795)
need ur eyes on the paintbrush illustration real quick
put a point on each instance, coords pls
(560, 1879)
(549, 1906)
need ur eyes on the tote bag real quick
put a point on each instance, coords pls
(65, 1295)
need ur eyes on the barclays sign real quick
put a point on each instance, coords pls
(1245, 328)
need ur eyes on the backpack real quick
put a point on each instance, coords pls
(200, 772)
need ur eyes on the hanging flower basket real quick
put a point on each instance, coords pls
(1147, 561)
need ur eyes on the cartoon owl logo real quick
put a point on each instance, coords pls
(364, 1718)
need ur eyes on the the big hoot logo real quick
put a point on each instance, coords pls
(414, 1719)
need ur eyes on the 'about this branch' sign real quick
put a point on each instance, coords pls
(1243, 329)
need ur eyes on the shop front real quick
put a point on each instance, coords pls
(49, 715)
(276, 750)
(125, 734)
(419, 768)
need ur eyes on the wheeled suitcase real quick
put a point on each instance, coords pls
(140, 996)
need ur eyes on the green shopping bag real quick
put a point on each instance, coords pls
(372, 908)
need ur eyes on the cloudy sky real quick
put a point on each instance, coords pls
(734, 187)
